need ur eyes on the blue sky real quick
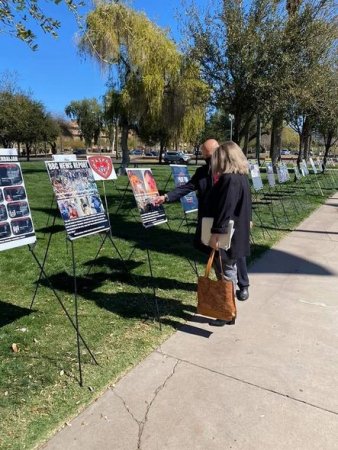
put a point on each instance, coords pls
(55, 74)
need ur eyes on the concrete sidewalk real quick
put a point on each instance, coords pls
(269, 382)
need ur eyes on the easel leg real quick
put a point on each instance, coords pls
(43, 266)
(60, 301)
(76, 316)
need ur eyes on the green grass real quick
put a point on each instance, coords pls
(39, 389)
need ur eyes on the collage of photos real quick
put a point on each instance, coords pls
(181, 176)
(255, 176)
(270, 174)
(78, 198)
(145, 191)
(16, 226)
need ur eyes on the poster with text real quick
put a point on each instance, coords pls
(145, 191)
(181, 176)
(77, 197)
(282, 173)
(255, 176)
(62, 158)
(102, 167)
(270, 174)
(303, 168)
(314, 168)
(16, 225)
(296, 172)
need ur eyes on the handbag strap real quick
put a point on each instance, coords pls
(209, 263)
(211, 260)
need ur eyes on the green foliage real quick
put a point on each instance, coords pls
(155, 90)
(24, 121)
(18, 16)
(88, 115)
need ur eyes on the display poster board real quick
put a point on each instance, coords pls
(255, 176)
(102, 167)
(270, 175)
(320, 165)
(296, 172)
(16, 225)
(145, 191)
(77, 197)
(303, 168)
(282, 173)
(314, 168)
(61, 158)
(181, 176)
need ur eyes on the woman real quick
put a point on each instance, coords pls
(230, 199)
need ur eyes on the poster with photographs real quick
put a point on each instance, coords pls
(16, 225)
(255, 176)
(270, 175)
(145, 191)
(296, 172)
(303, 168)
(282, 173)
(102, 167)
(320, 166)
(314, 168)
(77, 197)
(181, 176)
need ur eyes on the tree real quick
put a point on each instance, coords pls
(253, 56)
(18, 16)
(88, 115)
(140, 56)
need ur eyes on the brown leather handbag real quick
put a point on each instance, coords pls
(216, 298)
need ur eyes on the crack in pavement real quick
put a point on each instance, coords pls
(141, 423)
(250, 384)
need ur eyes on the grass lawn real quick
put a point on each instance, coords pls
(39, 389)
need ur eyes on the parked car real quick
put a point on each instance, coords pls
(176, 157)
(79, 151)
(285, 152)
(136, 152)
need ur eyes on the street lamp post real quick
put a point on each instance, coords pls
(231, 117)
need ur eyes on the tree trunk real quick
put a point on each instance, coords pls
(28, 151)
(258, 138)
(246, 138)
(276, 137)
(162, 146)
(328, 144)
(307, 129)
(124, 147)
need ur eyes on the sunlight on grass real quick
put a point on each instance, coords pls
(39, 390)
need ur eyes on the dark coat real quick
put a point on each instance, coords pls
(230, 198)
(201, 182)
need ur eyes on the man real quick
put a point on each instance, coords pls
(202, 182)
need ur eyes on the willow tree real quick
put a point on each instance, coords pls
(182, 116)
(140, 57)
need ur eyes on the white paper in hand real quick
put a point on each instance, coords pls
(224, 239)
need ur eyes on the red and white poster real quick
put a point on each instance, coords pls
(16, 225)
(145, 191)
(102, 167)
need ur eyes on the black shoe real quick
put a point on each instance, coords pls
(242, 294)
(221, 323)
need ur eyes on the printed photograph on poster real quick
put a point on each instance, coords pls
(181, 176)
(282, 173)
(102, 167)
(255, 176)
(78, 198)
(16, 225)
(145, 191)
(270, 174)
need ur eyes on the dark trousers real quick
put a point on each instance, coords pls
(242, 273)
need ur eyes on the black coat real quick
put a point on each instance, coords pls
(201, 182)
(230, 198)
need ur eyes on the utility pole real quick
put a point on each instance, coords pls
(231, 117)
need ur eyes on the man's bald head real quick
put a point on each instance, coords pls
(208, 147)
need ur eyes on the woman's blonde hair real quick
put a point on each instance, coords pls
(229, 158)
